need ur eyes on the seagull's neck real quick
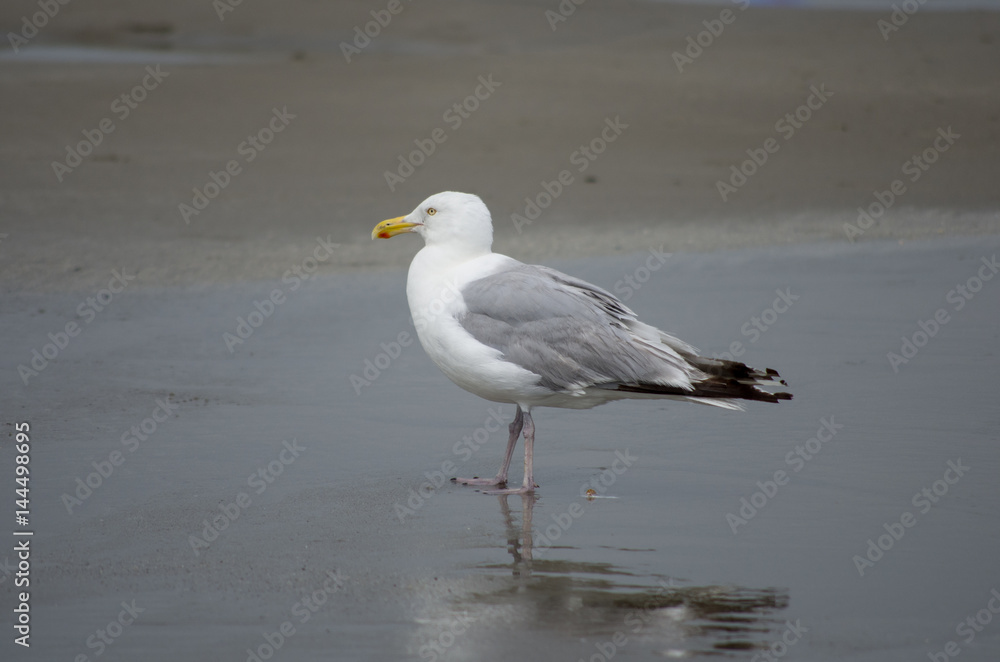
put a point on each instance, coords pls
(442, 258)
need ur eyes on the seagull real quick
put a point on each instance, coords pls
(532, 336)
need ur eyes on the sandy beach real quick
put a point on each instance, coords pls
(238, 451)
(325, 174)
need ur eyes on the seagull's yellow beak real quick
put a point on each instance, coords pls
(392, 227)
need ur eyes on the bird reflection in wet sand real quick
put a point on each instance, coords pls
(520, 540)
(538, 594)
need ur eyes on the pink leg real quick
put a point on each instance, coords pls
(501, 477)
(528, 487)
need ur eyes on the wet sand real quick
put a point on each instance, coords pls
(674, 560)
(240, 441)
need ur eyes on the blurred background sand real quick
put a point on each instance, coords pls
(325, 174)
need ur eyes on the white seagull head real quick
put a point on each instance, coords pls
(460, 219)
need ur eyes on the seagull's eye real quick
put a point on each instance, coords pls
(431, 211)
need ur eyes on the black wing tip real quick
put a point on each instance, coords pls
(766, 396)
(726, 389)
(771, 372)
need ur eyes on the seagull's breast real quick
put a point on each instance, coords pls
(434, 291)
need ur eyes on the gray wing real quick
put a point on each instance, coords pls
(570, 333)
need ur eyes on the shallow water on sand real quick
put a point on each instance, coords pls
(801, 529)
